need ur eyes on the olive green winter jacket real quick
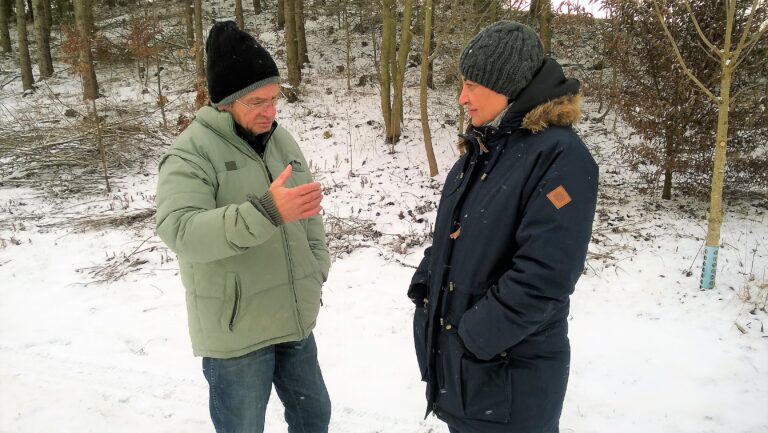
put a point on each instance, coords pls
(249, 283)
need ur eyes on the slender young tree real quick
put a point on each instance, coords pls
(89, 6)
(400, 67)
(239, 14)
(200, 84)
(291, 45)
(27, 80)
(348, 37)
(48, 14)
(5, 36)
(280, 14)
(424, 85)
(545, 25)
(733, 52)
(540, 15)
(86, 69)
(393, 65)
(43, 36)
(301, 34)
(188, 11)
(385, 76)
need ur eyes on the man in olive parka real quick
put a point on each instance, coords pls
(236, 202)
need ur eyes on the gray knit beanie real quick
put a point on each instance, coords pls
(503, 57)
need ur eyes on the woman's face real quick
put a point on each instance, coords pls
(482, 103)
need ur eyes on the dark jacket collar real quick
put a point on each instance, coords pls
(257, 141)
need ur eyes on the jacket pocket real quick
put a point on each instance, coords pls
(485, 389)
(231, 303)
(420, 325)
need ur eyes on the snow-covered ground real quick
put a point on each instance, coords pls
(651, 353)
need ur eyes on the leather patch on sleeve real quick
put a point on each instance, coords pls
(559, 197)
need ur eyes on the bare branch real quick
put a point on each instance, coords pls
(749, 46)
(747, 28)
(687, 70)
(730, 19)
(699, 31)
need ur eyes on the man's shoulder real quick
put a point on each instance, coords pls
(282, 134)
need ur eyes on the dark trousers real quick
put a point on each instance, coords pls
(239, 389)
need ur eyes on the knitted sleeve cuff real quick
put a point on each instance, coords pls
(266, 205)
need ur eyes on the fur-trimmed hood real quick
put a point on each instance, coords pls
(563, 111)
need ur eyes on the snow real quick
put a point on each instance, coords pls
(651, 352)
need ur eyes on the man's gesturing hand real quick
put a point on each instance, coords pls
(295, 203)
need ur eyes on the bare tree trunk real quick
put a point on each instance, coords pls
(25, 64)
(301, 34)
(715, 220)
(161, 99)
(533, 13)
(280, 14)
(545, 24)
(425, 67)
(257, 7)
(432, 47)
(387, 52)
(5, 36)
(666, 192)
(200, 84)
(48, 16)
(43, 35)
(99, 139)
(91, 20)
(349, 47)
(462, 114)
(399, 75)
(291, 45)
(88, 73)
(239, 14)
(374, 44)
(189, 21)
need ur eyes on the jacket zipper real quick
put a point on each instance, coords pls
(283, 234)
(293, 287)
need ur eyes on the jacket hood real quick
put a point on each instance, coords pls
(549, 99)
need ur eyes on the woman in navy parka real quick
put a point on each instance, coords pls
(511, 236)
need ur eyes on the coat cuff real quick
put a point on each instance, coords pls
(266, 205)
(471, 344)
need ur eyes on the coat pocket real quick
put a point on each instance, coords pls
(485, 389)
(231, 303)
(420, 322)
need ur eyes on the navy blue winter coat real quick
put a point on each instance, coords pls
(510, 240)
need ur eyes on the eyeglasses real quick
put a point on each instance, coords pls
(263, 104)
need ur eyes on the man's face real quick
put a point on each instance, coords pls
(256, 111)
(482, 103)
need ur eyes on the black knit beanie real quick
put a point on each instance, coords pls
(236, 64)
(503, 57)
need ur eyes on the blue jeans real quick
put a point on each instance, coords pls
(240, 388)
